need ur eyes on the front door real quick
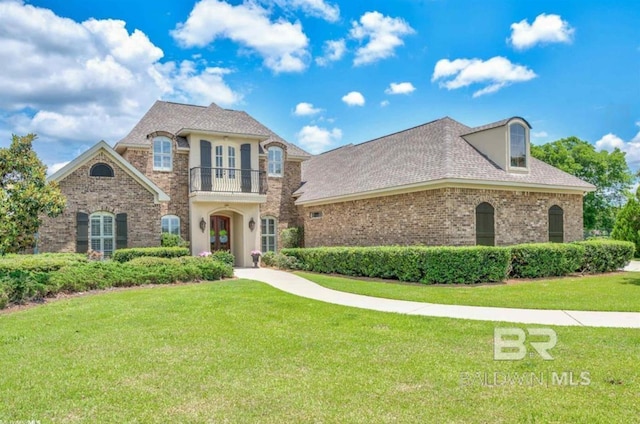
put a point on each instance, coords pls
(220, 233)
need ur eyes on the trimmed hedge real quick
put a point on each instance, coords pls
(605, 255)
(428, 265)
(43, 262)
(223, 256)
(545, 259)
(20, 286)
(125, 255)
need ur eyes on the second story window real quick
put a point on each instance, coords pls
(518, 146)
(219, 162)
(232, 161)
(162, 154)
(276, 156)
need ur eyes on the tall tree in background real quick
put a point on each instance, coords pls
(608, 171)
(25, 195)
(627, 226)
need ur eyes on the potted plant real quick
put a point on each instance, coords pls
(223, 236)
(255, 254)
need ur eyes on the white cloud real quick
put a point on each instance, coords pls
(496, 73)
(55, 167)
(384, 103)
(317, 139)
(306, 109)
(540, 134)
(632, 148)
(382, 34)
(400, 88)
(317, 8)
(333, 51)
(79, 82)
(282, 44)
(353, 98)
(545, 29)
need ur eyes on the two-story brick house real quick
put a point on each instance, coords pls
(222, 180)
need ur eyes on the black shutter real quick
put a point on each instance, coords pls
(82, 232)
(245, 165)
(121, 231)
(485, 228)
(205, 165)
(556, 224)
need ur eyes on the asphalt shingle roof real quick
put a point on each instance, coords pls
(173, 117)
(429, 152)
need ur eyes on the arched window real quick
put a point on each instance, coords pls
(556, 224)
(162, 154)
(268, 228)
(518, 145)
(101, 170)
(485, 228)
(276, 158)
(102, 232)
(170, 224)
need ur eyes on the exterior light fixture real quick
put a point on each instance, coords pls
(252, 224)
(203, 224)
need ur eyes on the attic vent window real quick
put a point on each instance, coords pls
(101, 170)
(315, 215)
(518, 146)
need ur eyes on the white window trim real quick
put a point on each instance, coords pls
(170, 217)
(274, 235)
(269, 161)
(527, 152)
(162, 154)
(102, 237)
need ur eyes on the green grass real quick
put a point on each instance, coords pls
(611, 292)
(243, 352)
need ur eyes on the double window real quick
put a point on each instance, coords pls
(102, 232)
(162, 154)
(170, 224)
(276, 161)
(269, 227)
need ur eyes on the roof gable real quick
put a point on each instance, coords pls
(102, 146)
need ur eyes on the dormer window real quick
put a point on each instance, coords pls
(518, 145)
(276, 156)
(162, 154)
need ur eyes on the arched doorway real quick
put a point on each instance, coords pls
(220, 232)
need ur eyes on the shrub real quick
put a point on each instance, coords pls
(627, 226)
(278, 260)
(269, 258)
(22, 286)
(172, 240)
(125, 255)
(210, 269)
(425, 264)
(43, 262)
(292, 237)
(223, 256)
(545, 259)
(605, 255)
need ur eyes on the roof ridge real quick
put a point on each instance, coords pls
(406, 130)
(180, 104)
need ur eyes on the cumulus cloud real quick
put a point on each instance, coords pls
(317, 139)
(79, 82)
(306, 109)
(381, 36)
(318, 8)
(281, 44)
(610, 141)
(384, 103)
(333, 51)
(544, 29)
(494, 73)
(400, 88)
(353, 98)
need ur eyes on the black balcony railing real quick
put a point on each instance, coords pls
(226, 180)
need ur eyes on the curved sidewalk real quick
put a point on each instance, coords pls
(299, 286)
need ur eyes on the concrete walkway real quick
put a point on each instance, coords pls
(299, 286)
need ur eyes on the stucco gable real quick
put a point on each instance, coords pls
(103, 147)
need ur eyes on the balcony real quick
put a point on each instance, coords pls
(227, 180)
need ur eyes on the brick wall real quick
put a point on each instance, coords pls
(175, 183)
(280, 204)
(439, 217)
(120, 194)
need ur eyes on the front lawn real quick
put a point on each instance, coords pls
(608, 292)
(241, 351)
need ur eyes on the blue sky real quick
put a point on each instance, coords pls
(320, 73)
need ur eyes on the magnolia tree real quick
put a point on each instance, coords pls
(25, 195)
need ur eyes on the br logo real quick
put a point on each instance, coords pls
(509, 343)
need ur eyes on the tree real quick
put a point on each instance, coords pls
(627, 226)
(25, 195)
(608, 171)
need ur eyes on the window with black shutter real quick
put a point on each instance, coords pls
(485, 227)
(121, 231)
(82, 232)
(556, 224)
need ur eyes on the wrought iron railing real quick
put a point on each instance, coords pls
(227, 180)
